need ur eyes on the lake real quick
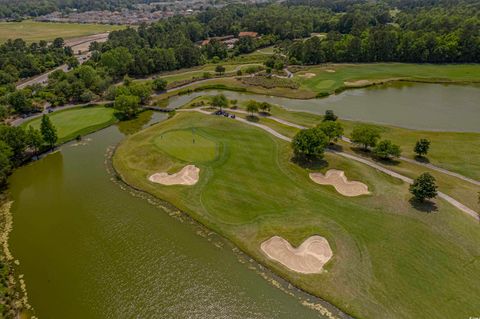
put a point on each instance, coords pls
(90, 247)
(421, 106)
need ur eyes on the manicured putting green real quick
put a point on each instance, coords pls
(78, 121)
(187, 145)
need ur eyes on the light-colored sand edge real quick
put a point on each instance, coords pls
(188, 175)
(308, 258)
(342, 185)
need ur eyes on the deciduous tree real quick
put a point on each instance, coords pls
(424, 187)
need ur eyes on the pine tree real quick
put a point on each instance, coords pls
(49, 132)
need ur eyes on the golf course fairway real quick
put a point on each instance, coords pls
(389, 260)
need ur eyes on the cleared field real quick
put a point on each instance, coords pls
(329, 78)
(389, 259)
(78, 121)
(32, 31)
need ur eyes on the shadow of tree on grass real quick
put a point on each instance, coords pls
(425, 206)
(309, 163)
(422, 159)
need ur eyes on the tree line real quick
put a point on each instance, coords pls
(18, 144)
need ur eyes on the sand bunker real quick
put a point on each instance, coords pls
(358, 83)
(308, 75)
(186, 176)
(308, 258)
(330, 71)
(339, 181)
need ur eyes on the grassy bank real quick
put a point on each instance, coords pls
(390, 260)
(319, 81)
(77, 121)
(328, 79)
(32, 31)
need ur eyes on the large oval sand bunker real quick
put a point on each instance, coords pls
(186, 176)
(338, 180)
(308, 258)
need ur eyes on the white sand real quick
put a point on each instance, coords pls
(357, 83)
(308, 75)
(330, 71)
(186, 176)
(308, 258)
(340, 182)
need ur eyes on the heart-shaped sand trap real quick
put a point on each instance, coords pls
(340, 182)
(308, 258)
(186, 176)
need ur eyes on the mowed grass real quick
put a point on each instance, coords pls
(78, 121)
(390, 260)
(455, 151)
(187, 145)
(329, 78)
(32, 31)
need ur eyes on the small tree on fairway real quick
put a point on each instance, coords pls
(49, 133)
(423, 187)
(220, 101)
(421, 147)
(309, 143)
(386, 150)
(252, 107)
(365, 136)
(220, 69)
(127, 105)
(329, 116)
(333, 130)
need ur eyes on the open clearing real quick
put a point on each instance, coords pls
(385, 252)
(78, 121)
(32, 31)
(308, 258)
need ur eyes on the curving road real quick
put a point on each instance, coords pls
(376, 166)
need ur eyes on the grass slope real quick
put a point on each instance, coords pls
(78, 121)
(390, 260)
(32, 31)
(458, 152)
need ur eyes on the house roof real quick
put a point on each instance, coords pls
(248, 34)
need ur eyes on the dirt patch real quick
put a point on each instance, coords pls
(308, 75)
(308, 258)
(186, 176)
(338, 180)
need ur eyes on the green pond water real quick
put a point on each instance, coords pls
(89, 247)
(421, 106)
